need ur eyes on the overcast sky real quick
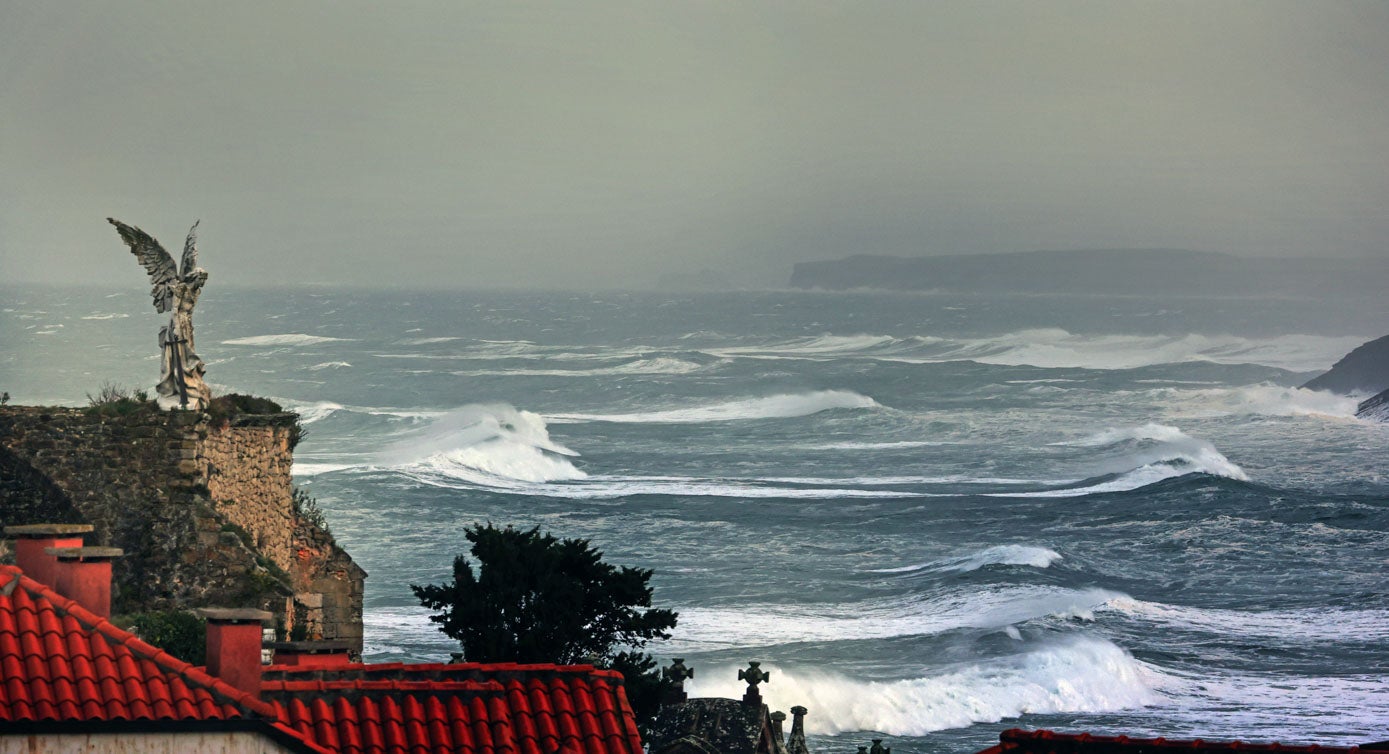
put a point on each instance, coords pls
(604, 143)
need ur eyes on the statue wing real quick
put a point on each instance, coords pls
(155, 260)
(190, 252)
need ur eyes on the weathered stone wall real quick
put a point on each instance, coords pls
(247, 469)
(204, 511)
(328, 587)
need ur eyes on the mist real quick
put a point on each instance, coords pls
(617, 144)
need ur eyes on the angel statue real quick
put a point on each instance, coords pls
(176, 291)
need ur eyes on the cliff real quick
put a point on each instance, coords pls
(1363, 370)
(203, 507)
(1102, 271)
(1375, 409)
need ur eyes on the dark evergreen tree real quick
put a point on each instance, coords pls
(535, 598)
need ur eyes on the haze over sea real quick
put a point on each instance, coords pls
(931, 516)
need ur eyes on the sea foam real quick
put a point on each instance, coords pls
(1058, 348)
(489, 445)
(785, 406)
(986, 608)
(1078, 674)
(1020, 555)
(288, 339)
(1135, 457)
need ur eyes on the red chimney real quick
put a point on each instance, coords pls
(304, 653)
(83, 574)
(233, 646)
(31, 541)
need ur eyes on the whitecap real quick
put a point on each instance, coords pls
(1140, 456)
(303, 468)
(1022, 555)
(1256, 400)
(288, 339)
(329, 365)
(488, 445)
(783, 406)
(989, 608)
(659, 365)
(1075, 675)
(1301, 626)
(426, 341)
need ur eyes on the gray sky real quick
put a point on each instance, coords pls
(605, 143)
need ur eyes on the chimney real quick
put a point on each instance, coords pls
(233, 646)
(304, 653)
(31, 541)
(83, 574)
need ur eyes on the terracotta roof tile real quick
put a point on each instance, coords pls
(504, 708)
(62, 662)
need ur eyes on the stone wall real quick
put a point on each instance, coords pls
(247, 469)
(203, 509)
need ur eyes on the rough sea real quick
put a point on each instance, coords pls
(932, 517)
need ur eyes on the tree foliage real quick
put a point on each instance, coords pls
(180, 633)
(535, 598)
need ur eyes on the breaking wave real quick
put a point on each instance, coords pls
(1021, 555)
(659, 365)
(426, 341)
(1073, 675)
(289, 339)
(1136, 457)
(1297, 626)
(1255, 400)
(1058, 348)
(985, 608)
(784, 406)
(487, 445)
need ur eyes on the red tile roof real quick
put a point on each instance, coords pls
(62, 665)
(1017, 741)
(61, 662)
(488, 709)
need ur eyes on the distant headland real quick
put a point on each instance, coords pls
(1099, 271)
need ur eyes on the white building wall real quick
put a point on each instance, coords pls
(214, 742)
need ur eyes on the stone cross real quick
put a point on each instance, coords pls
(753, 675)
(676, 675)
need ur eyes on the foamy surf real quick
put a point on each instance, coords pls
(287, 339)
(1019, 555)
(1136, 457)
(988, 608)
(1296, 626)
(659, 365)
(785, 406)
(1059, 348)
(606, 487)
(1255, 400)
(1072, 675)
(486, 445)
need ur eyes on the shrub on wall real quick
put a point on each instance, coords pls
(181, 634)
